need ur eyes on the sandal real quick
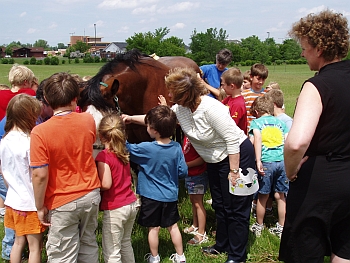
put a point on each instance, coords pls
(188, 230)
(195, 242)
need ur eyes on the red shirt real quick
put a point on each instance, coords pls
(120, 193)
(238, 111)
(6, 95)
(191, 154)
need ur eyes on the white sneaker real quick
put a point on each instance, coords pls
(175, 258)
(277, 230)
(209, 202)
(150, 259)
(256, 229)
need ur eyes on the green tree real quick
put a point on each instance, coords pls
(11, 46)
(290, 49)
(81, 46)
(205, 46)
(61, 46)
(155, 42)
(41, 43)
(272, 49)
(253, 49)
(236, 51)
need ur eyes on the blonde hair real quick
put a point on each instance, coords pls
(4, 86)
(185, 86)
(19, 74)
(233, 76)
(262, 105)
(222, 94)
(22, 113)
(272, 85)
(277, 97)
(112, 131)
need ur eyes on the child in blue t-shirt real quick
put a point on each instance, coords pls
(269, 135)
(161, 164)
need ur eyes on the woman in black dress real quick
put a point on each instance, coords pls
(317, 150)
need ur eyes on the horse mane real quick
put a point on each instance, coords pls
(92, 94)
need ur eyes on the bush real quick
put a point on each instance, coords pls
(32, 61)
(11, 61)
(88, 59)
(63, 61)
(76, 60)
(39, 62)
(4, 61)
(26, 62)
(97, 59)
(104, 60)
(55, 61)
(47, 61)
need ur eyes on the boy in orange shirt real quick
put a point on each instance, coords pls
(65, 180)
(258, 75)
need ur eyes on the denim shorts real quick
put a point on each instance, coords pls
(3, 188)
(274, 180)
(197, 185)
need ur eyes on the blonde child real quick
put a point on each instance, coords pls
(118, 200)
(21, 79)
(22, 113)
(269, 134)
(272, 85)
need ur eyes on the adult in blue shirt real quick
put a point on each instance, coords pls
(212, 73)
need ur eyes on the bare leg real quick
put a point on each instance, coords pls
(153, 240)
(281, 207)
(176, 238)
(34, 244)
(198, 207)
(17, 249)
(261, 208)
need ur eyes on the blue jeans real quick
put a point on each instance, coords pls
(9, 237)
(275, 179)
(7, 243)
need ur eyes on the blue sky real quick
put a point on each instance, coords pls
(116, 20)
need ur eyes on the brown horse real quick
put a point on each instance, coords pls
(131, 81)
(179, 62)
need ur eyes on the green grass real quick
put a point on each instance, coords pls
(263, 249)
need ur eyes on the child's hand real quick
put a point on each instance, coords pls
(126, 118)
(260, 168)
(162, 100)
(42, 215)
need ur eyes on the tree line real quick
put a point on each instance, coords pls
(202, 48)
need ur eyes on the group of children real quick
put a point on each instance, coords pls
(161, 163)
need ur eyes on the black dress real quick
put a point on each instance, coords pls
(318, 203)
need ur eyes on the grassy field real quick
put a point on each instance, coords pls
(263, 249)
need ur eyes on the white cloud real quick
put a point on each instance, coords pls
(144, 10)
(179, 7)
(305, 11)
(53, 25)
(98, 23)
(31, 30)
(118, 4)
(123, 29)
(178, 26)
(145, 21)
(23, 14)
